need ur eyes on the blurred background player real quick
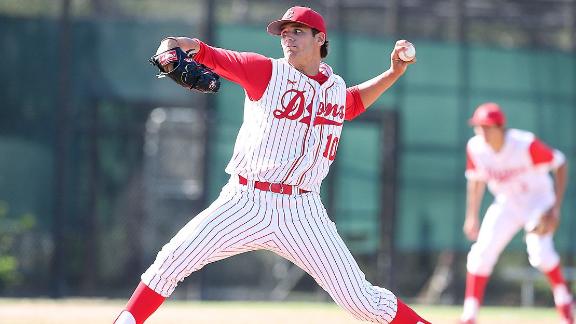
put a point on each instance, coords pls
(294, 112)
(515, 165)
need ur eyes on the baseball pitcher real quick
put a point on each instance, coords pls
(294, 111)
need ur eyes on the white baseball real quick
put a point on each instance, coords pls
(408, 53)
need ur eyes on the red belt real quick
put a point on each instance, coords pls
(273, 187)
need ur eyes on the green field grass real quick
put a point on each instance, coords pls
(92, 311)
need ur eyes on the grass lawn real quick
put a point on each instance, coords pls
(92, 311)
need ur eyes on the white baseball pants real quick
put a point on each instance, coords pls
(501, 222)
(295, 227)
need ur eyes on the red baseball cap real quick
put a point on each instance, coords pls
(488, 114)
(303, 15)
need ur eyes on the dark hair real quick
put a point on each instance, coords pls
(324, 47)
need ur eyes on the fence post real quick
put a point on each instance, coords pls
(61, 147)
(388, 177)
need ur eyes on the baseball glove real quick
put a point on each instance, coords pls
(178, 66)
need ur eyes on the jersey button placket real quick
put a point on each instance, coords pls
(313, 115)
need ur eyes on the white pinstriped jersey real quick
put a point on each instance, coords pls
(291, 134)
(520, 169)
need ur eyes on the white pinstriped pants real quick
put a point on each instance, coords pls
(295, 227)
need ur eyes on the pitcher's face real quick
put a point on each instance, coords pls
(299, 45)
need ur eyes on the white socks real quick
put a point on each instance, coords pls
(471, 307)
(561, 295)
(125, 318)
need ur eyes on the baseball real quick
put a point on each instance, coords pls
(408, 53)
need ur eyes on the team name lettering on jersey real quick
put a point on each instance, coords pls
(293, 108)
(503, 175)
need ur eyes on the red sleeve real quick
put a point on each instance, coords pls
(252, 71)
(354, 105)
(469, 163)
(540, 152)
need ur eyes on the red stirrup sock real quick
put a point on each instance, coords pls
(562, 296)
(555, 276)
(143, 303)
(475, 286)
(405, 315)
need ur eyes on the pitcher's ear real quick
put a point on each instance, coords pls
(321, 38)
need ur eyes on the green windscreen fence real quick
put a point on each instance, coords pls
(434, 100)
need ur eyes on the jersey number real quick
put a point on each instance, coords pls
(331, 147)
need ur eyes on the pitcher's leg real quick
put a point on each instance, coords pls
(200, 242)
(308, 238)
(143, 303)
(231, 225)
